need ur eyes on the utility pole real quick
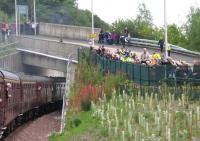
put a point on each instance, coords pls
(19, 22)
(67, 90)
(165, 24)
(34, 17)
(16, 26)
(92, 22)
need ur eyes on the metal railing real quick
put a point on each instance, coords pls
(154, 44)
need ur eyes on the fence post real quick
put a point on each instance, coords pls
(133, 73)
(78, 55)
(120, 66)
(140, 75)
(95, 59)
(126, 65)
(115, 67)
(148, 76)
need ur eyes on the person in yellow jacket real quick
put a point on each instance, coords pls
(156, 56)
(168, 50)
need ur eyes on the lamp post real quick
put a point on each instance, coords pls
(65, 95)
(35, 26)
(16, 27)
(92, 22)
(165, 24)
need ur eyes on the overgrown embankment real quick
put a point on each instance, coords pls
(90, 84)
(104, 107)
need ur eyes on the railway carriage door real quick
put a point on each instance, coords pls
(8, 102)
(2, 102)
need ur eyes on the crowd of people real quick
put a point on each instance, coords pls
(126, 55)
(113, 37)
(145, 58)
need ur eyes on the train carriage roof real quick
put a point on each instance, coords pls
(9, 75)
(33, 78)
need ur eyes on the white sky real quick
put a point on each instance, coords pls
(111, 10)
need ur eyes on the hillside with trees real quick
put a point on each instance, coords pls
(52, 11)
(67, 12)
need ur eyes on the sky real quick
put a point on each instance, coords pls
(111, 10)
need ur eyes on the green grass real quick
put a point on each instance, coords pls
(88, 129)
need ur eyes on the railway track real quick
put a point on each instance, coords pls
(38, 129)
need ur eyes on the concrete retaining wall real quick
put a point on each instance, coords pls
(49, 47)
(66, 31)
(12, 62)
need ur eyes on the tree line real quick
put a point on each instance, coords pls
(52, 11)
(67, 12)
(187, 36)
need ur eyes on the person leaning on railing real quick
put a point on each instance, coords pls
(196, 69)
(172, 67)
(144, 56)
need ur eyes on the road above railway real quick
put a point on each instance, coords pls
(177, 56)
(38, 129)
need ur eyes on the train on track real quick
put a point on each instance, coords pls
(24, 97)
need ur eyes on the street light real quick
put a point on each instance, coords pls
(165, 24)
(65, 95)
(35, 26)
(16, 28)
(92, 22)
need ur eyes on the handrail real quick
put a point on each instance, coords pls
(154, 44)
(46, 55)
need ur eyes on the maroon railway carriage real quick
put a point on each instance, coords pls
(36, 91)
(11, 98)
(23, 97)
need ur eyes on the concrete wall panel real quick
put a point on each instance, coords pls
(67, 31)
(12, 62)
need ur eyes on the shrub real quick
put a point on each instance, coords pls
(86, 105)
(77, 122)
(84, 97)
(111, 82)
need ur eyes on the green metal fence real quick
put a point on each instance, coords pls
(140, 74)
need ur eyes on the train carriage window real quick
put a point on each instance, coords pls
(13, 85)
(1, 94)
(8, 90)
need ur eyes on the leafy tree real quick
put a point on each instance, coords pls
(175, 35)
(7, 6)
(55, 11)
(3, 17)
(144, 15)
(144, 22)
(193, 29)
(141, 27)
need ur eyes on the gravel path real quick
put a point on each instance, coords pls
(37, 130)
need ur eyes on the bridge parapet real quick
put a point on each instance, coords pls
(66, 31)
(50, 47)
